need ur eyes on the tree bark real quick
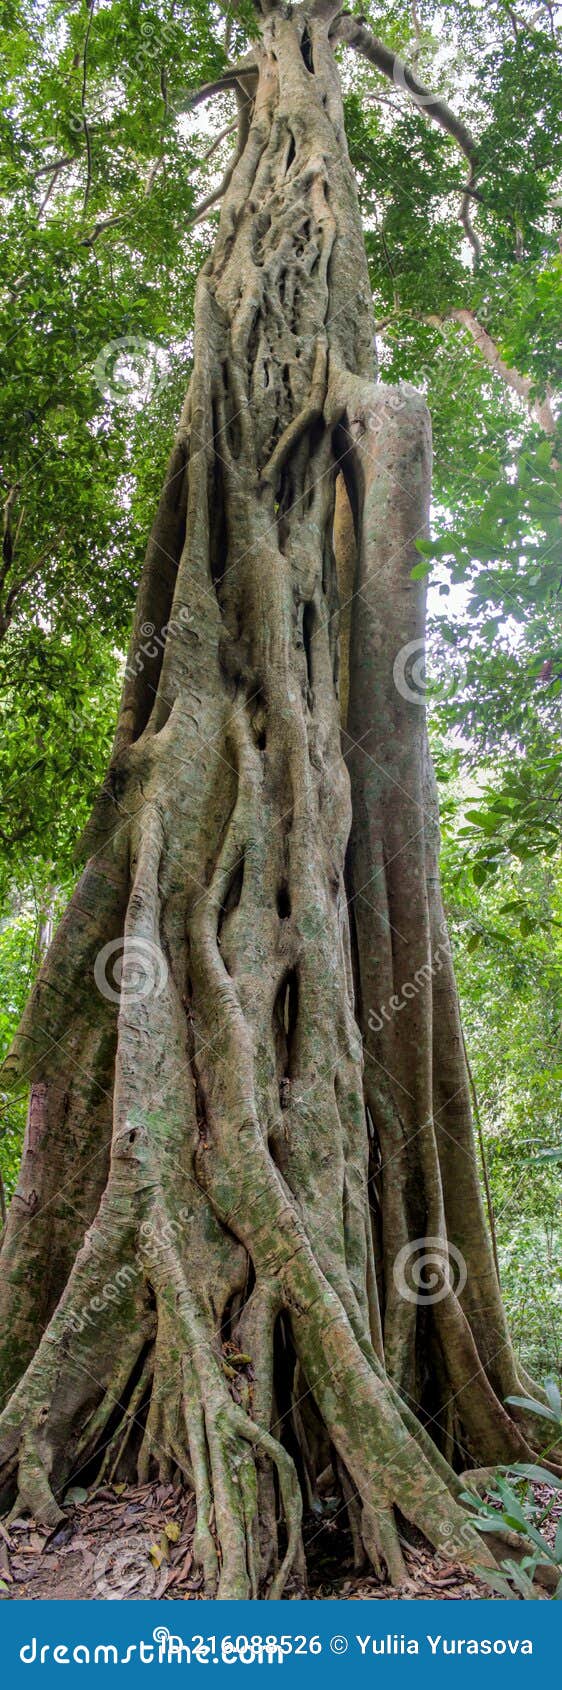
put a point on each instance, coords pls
(212, 1169)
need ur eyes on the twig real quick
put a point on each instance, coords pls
(229, 129)
(54, 179)
(466, 219)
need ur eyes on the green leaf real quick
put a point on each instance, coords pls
(532, 1407)
(474, 943)
(553, 1395)
(542, 1475)
(480, 873)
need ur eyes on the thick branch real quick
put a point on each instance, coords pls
(243, 72)
(354, 32)
(540, 409)
(216, 194)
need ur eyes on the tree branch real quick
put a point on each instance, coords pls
(465, 217)
(216, 194)
(540, 409)
(18, 587)
(83, 106)
(57, 171)
(56, 164)
(229, 129)
(99, 228)
(355, 33)
(246, 70)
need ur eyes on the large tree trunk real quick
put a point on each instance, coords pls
(200, 1270)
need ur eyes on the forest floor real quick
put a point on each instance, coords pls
(135, 1542)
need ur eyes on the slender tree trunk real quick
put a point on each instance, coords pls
(199, 1273)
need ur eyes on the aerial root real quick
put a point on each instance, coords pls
(225, 1447)
(255, 1337)
(34, 1491)
(288, 1486)
(379, 1533)
(193, 1417)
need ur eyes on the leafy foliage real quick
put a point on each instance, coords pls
(511, 1505)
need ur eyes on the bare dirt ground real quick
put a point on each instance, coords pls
(135, 1542)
